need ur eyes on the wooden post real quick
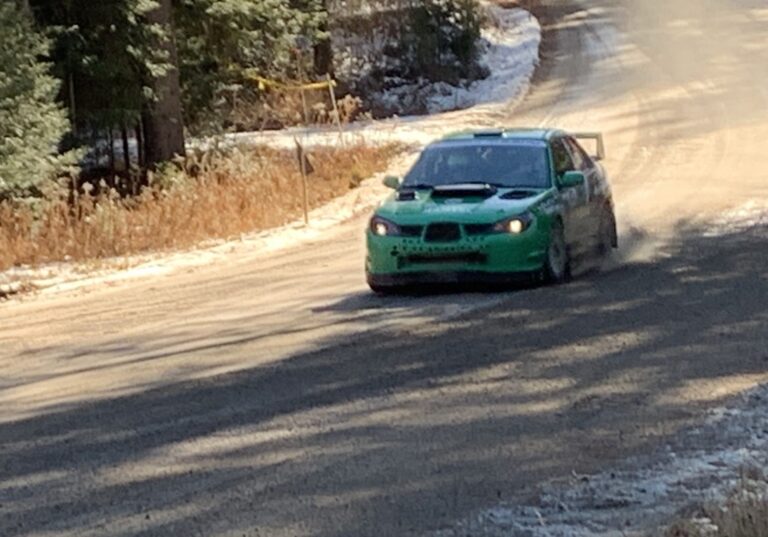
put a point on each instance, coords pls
(335, 108)
(302, 157)
(303, 167)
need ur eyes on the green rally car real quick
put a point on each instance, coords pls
(492, 207)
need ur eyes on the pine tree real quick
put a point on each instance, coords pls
(115, 58)
(219, 40)
(32, 124)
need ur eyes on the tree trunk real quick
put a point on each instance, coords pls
(324, 58)
(140, 144)
(163, 122)
(323, 50)
(111, 142)
(126, 150)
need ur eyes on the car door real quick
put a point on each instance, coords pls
(596, 188)
(575, 199)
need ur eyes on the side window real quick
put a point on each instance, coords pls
(561, 156)
(580, 158)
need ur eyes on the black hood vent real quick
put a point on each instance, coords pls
(406, 195)
(468, 190)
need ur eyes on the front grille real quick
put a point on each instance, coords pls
(474, 258)
(411, 231)
(478, 229)
(443, 232)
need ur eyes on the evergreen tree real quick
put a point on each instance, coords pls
(114, 57)
(219, 40)
(32, 124)
(442, 39)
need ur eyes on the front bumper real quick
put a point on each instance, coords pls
(492, 258)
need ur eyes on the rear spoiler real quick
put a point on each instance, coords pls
(597, 138)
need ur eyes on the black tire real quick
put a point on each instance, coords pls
(378, 288)
(381, 290)
(607, 238)
(557, 264)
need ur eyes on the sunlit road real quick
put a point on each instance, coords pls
(274, 395)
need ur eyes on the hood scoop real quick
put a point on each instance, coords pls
(467, 190)
(518, 194)
(406, 195)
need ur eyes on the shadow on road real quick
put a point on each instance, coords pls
(397, 432)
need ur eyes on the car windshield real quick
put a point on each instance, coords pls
(508, 164)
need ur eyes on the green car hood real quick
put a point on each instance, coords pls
(427, 207)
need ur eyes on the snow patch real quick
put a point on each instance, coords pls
(645, 493)
(751, 216)
(511, 55)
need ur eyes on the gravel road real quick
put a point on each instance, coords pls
(274, 396)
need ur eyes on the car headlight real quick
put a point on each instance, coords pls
(515, 225)
(381, 227)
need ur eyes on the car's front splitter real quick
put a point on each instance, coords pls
(430, 278)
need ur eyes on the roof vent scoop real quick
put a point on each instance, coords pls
(489, 134)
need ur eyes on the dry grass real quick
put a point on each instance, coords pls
(280, 109)
(212, 196)
(743, 514)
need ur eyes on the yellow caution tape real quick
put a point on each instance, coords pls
(265, 83)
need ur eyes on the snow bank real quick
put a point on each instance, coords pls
(511, 54)
(511, 58)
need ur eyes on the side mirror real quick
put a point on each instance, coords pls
(570, 179)
(392, 182)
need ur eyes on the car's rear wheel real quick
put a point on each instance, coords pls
(557, 263)
(607, 237)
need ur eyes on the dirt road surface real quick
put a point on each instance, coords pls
(277, 397)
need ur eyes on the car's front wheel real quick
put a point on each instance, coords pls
(557, 263)
(381, 289)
